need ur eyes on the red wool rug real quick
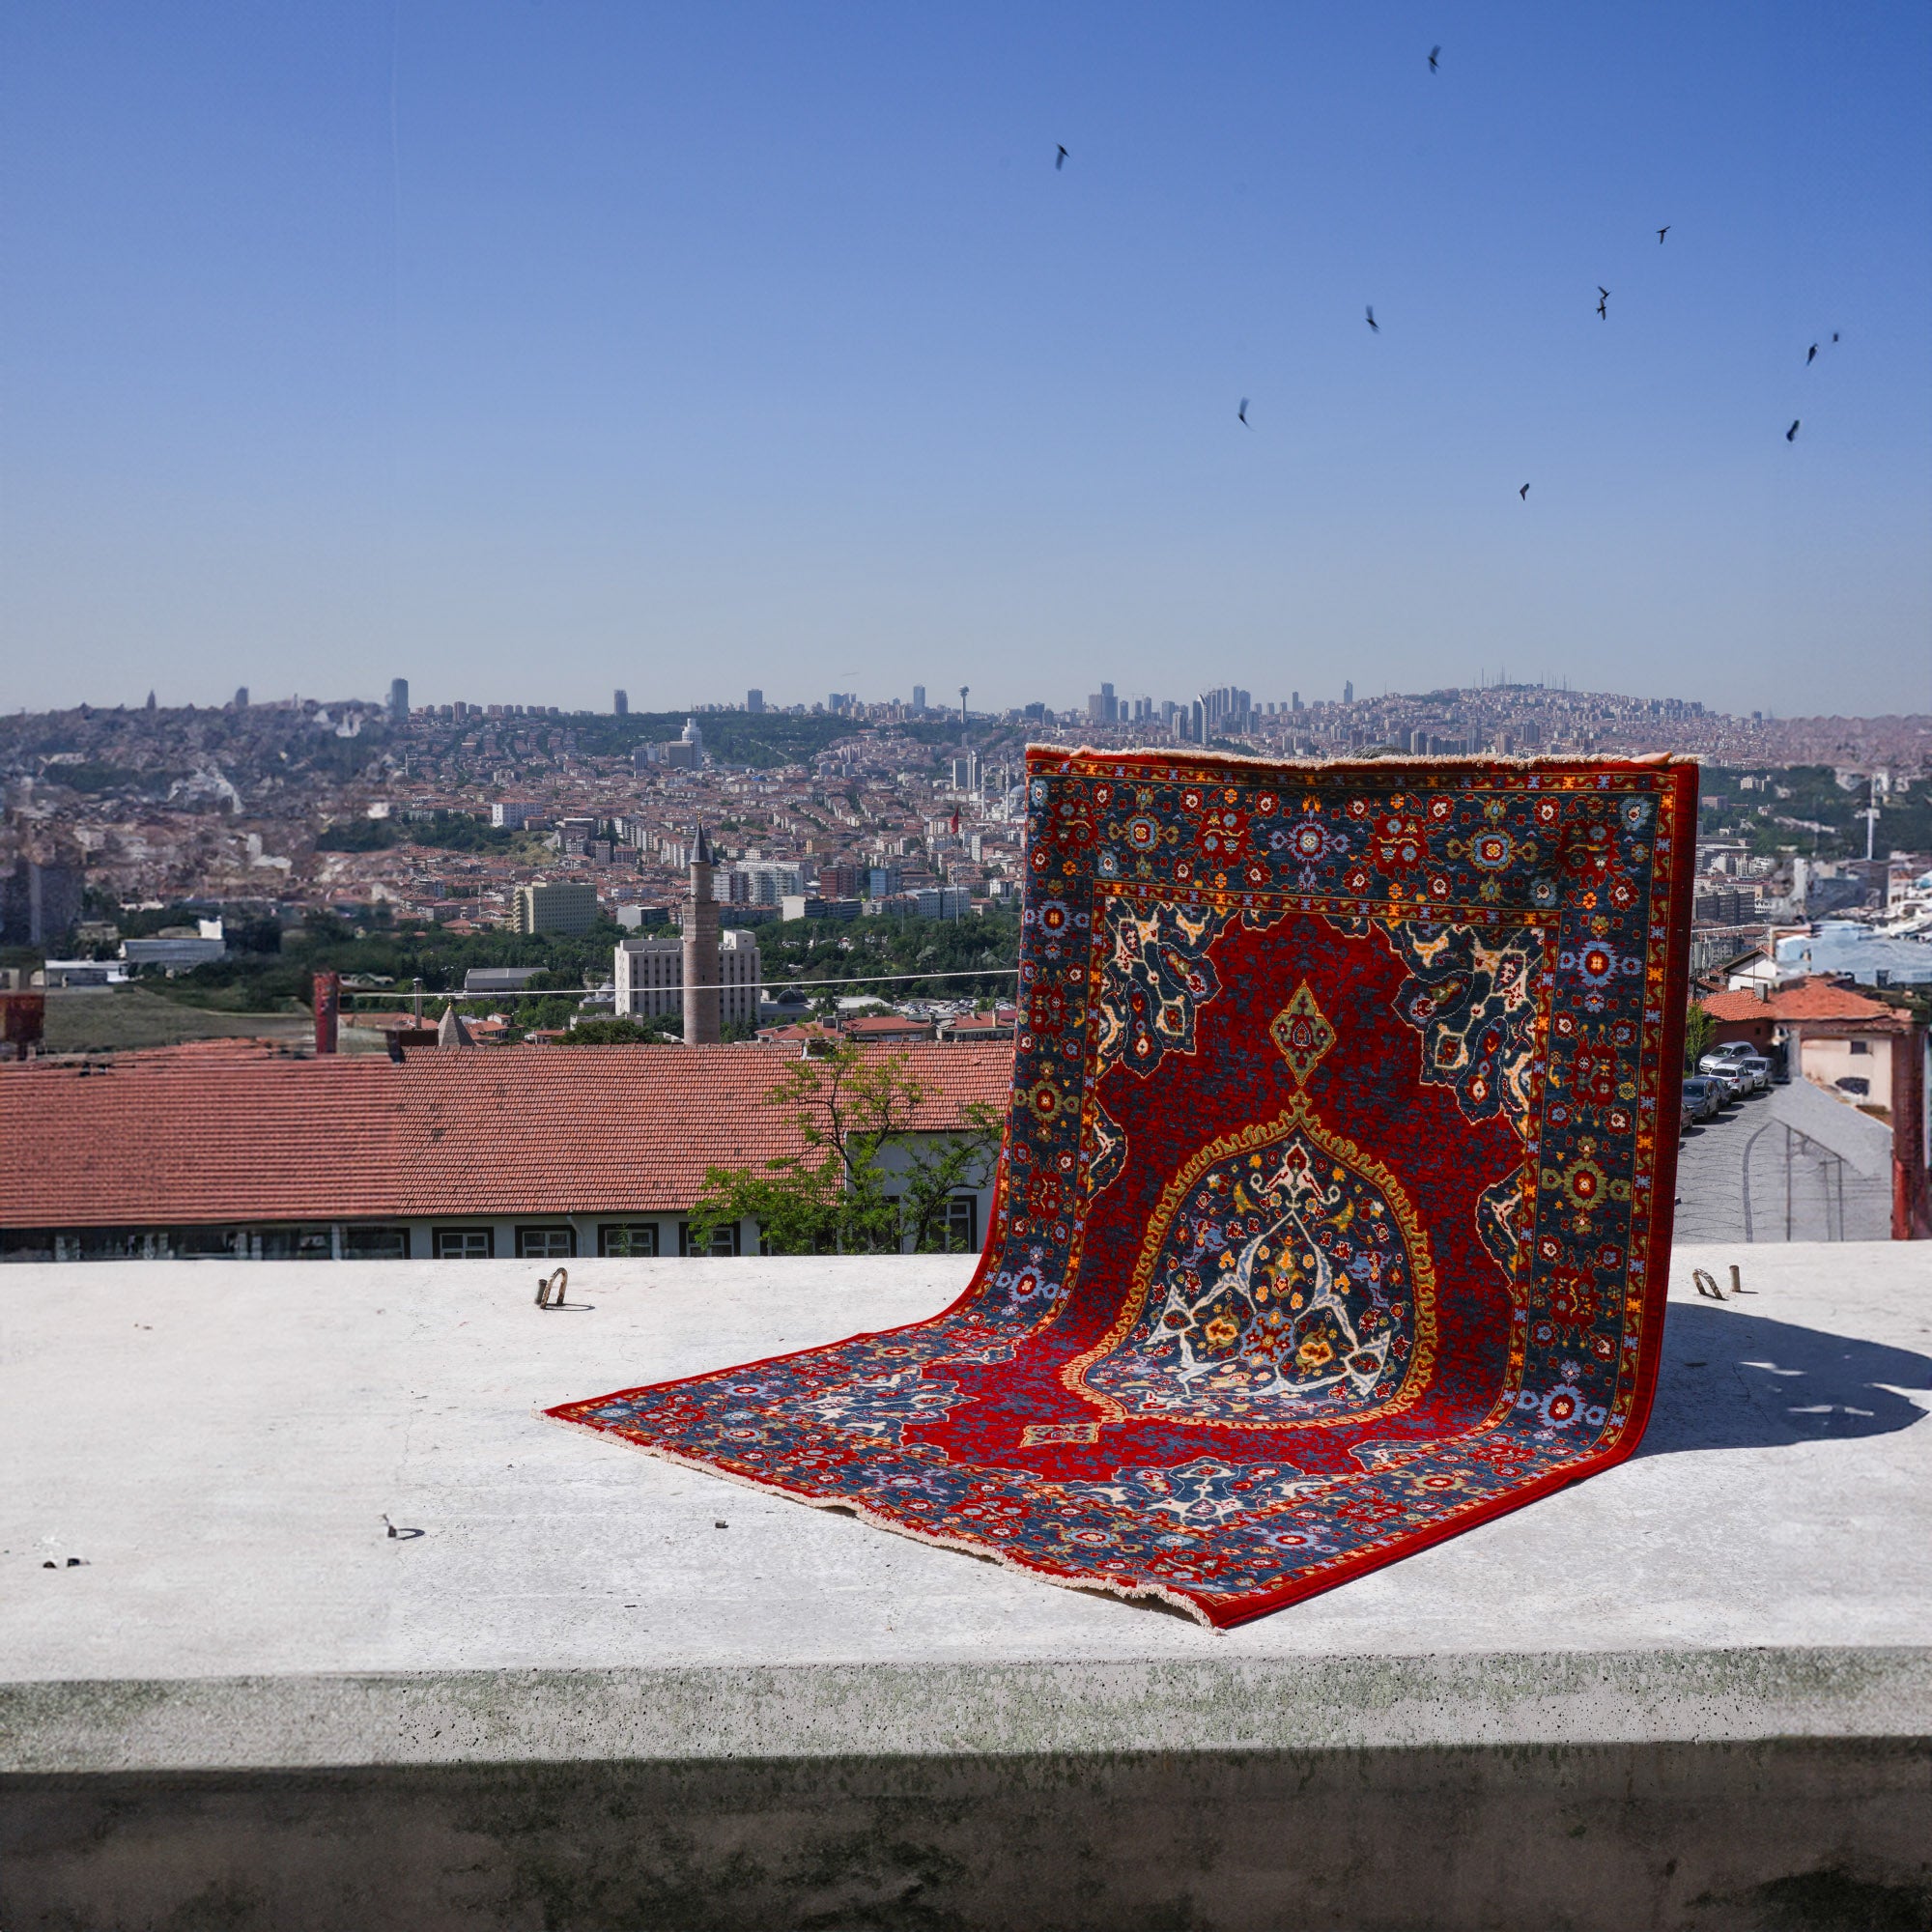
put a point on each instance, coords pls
(1334, 1212)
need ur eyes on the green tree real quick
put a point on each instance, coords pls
(1699, 1029)
(618, 1032)
(866, 1183)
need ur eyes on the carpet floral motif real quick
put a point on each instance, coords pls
(1333, 1206)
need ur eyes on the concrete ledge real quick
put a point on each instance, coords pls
(1228, 1705)
(1693, 1691)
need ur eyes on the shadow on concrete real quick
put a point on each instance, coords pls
(1736, 1380)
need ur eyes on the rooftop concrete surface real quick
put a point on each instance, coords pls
(221, 1442)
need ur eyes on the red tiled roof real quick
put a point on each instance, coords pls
(1811, 1000)
(235, 1130)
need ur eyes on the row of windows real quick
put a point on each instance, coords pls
(540, 1241)
(547, 1243)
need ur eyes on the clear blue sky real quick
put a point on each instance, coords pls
(532, 349)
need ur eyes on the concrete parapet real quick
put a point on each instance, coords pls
(1693, 1691)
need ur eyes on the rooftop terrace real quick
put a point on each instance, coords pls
(1695, 1691)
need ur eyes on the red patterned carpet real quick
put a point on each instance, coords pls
(1334, 1202)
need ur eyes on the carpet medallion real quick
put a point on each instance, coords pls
(1333, 1210)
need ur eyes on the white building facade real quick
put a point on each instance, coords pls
(650, 978)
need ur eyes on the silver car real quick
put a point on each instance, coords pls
(1745, 1069)
(1725, 1078)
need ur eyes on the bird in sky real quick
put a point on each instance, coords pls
(1811, 355)
(1433, 52)
(1604, 308)
(1523, 493)
(1790, 435)
(1242, 413)
(1372, 323)
(1834, 335)
(1661, 233)
(1059, 160)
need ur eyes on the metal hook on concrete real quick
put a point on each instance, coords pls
(1706, 1284)
(546, 1283)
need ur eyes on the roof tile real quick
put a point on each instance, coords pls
(233, 1130)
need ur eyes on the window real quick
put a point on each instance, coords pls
(207, 1245)
(464, 1244)
(627, 1239)
(1852, 1084)
(1861, 1046)
(376, 1244)
(724, 1241)
(962, 1224)
(546, 1244)
(296, 1244)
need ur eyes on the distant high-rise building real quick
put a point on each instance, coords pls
(919, 697)
(399, 701)
(42, 892)
(620, 703)
(1295, 700)
(1348, 693)
(560, 905)
(241, 697)
(649, 977)
(754, 701)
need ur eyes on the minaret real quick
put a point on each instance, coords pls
(700, 950)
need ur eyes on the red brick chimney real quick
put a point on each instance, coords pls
(327, 1010)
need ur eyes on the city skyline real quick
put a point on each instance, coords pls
(403, 696)
(488, 343)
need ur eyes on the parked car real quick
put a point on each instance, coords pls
(1725, 1078)
(1703, 1097)
(1746, 1070)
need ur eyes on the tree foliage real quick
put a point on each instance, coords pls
(618, 1032)
(447, 831)
(865, 1183)
(1699, 1029)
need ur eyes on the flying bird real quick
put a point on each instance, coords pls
(1790, 435)
(1834, 335)
(1523, 493)
(1059, 160)
(1661, 233)
(1602, 290)
(1372, 323)
(1433, 52)
(1604, 308)
(1811, 355)
(1242, 412)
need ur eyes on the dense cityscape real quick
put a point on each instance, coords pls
(221, 853)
